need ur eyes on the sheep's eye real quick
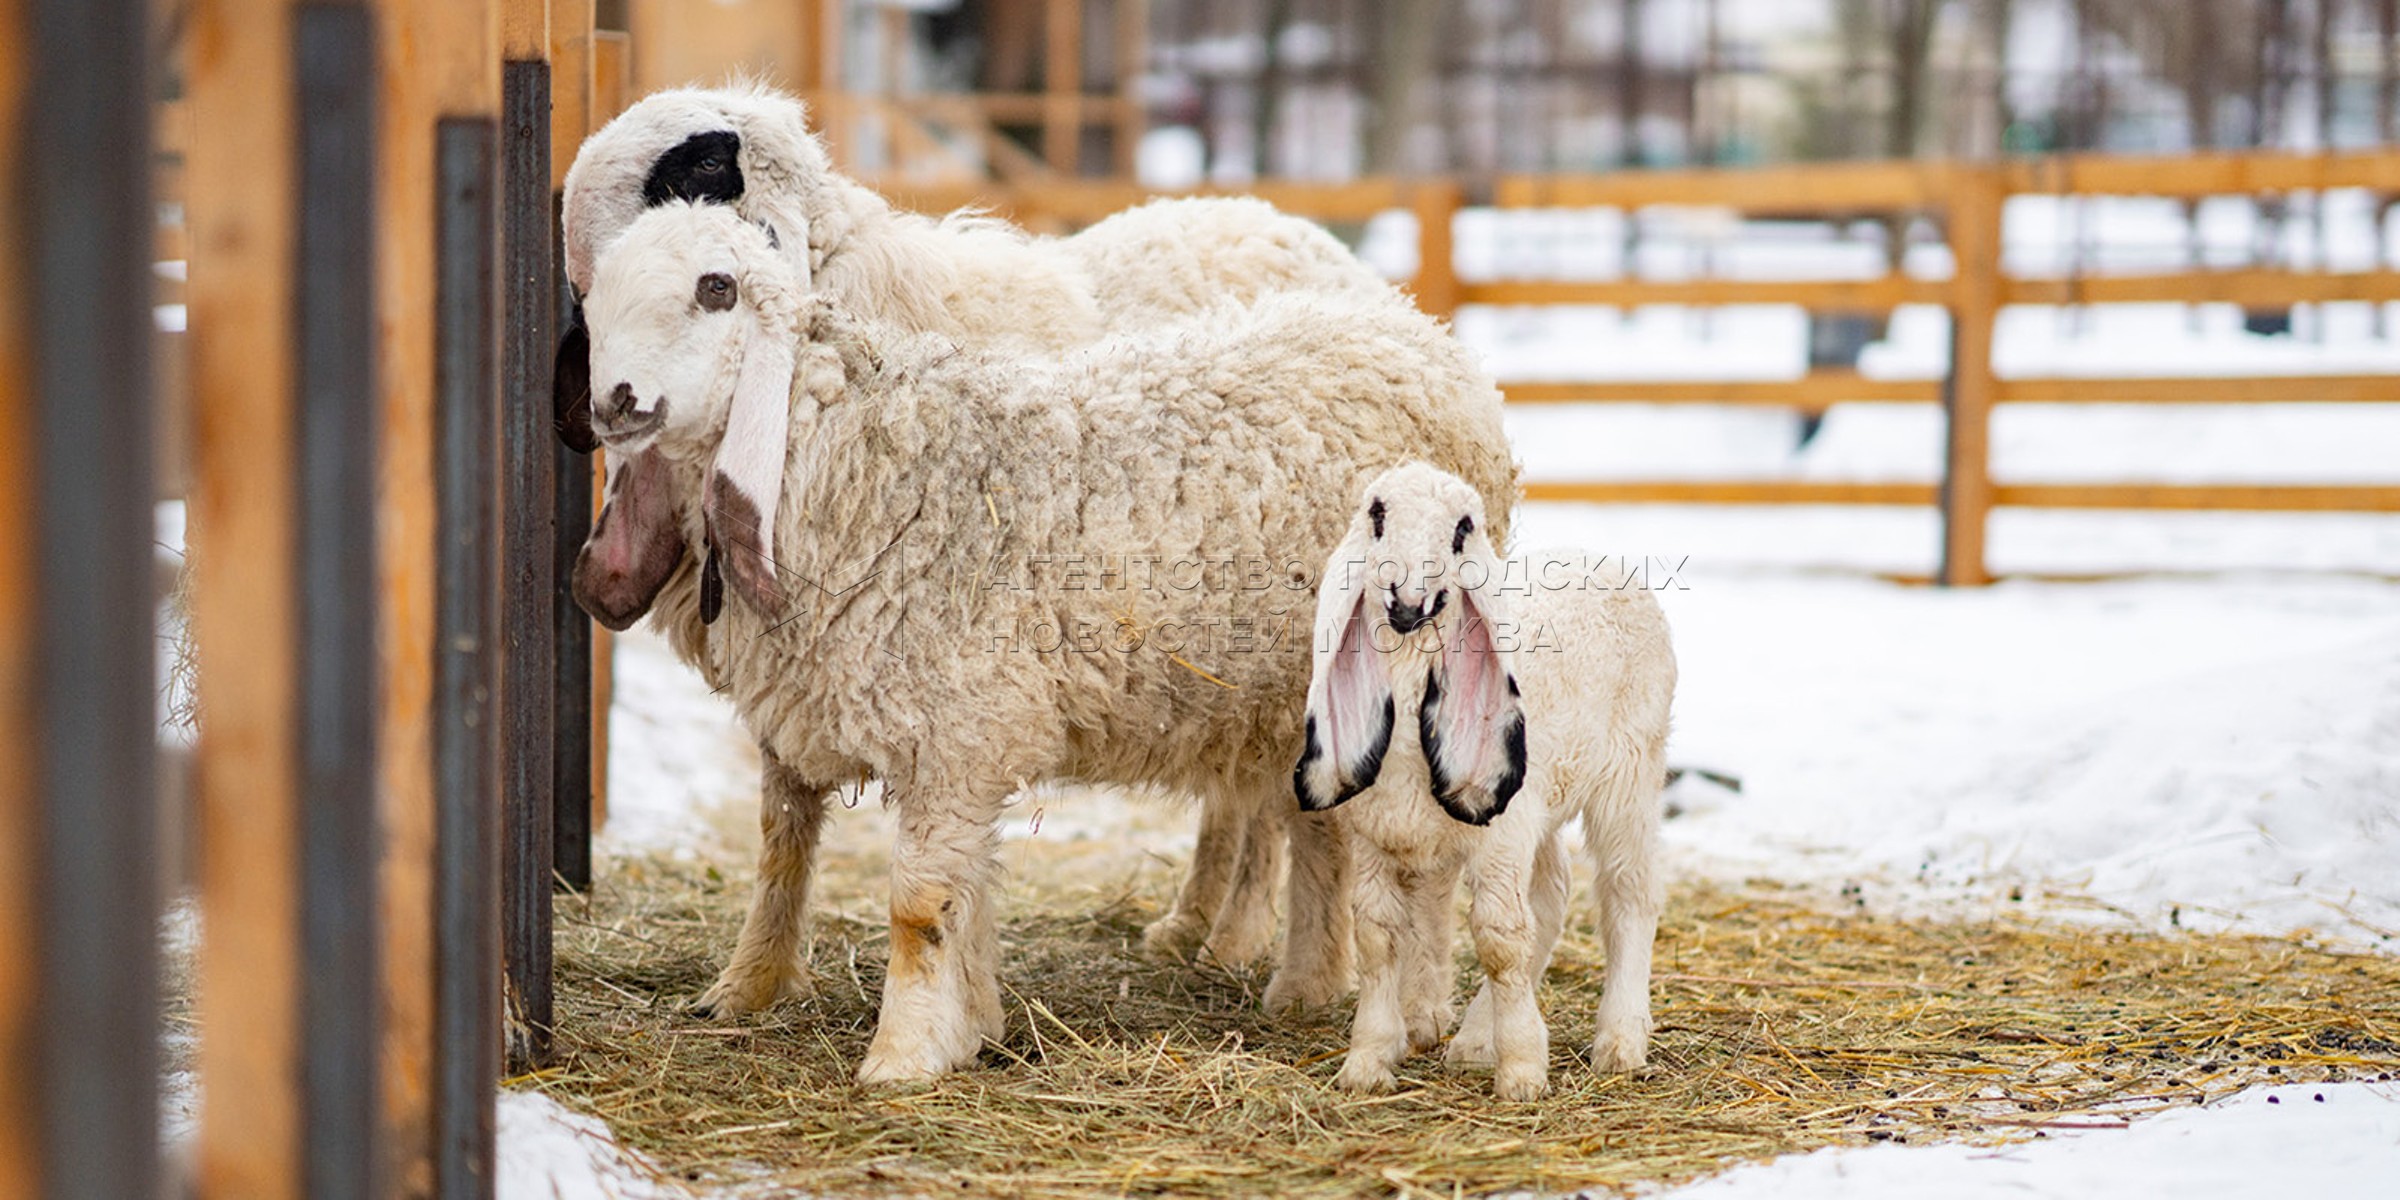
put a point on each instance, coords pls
(1375, 516)
(710, 165)
(715, 292)
(1458, 540)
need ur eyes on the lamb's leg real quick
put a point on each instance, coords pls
(939, 990)
(1316, 945)
(770, 959)
(1501, 917)
(1379, 1032)
(1428, 977)
(1630, 898)
(1552, 880)
(1244, 929)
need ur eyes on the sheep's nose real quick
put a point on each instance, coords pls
(620, 401)
(1405, 617)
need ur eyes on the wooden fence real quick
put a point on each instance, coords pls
(1964, 201)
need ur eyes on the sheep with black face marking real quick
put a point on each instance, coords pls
(1463, 709)
(985, 284)
(884, 499)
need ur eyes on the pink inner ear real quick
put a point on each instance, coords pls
(1355, 693)
(1477, 713)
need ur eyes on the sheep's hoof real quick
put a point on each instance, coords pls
(1288, 992)
(921, 1062)
(1175, 935)
(1361, 1073)
(1521, 1082)
(731, 997)
(1617, 1051)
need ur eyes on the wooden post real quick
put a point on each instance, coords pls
(1976, 196)
(1436, 202)
(612, 92)
(78, 902)
(439, 91)
(1062, 83)
(1133, 59)
(239, 210)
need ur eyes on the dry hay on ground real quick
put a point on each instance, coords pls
(1782, 1026)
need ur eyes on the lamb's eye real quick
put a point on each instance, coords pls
(715, 293)
(1375, 516)
(1458, 540)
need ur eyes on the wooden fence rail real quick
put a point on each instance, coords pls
(1965, 201)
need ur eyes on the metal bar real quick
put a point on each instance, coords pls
(528, 537)
(86, 243)
(466, 744)
(571, 705)
(334, 74)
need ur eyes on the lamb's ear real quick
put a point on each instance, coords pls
(634, 546)
(1472, 724)
(746, 481)
(1349, 694)
(571, 385)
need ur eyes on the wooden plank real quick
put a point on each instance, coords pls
(1088, 200)
(524, 30)
(1814, 392)
(80, 1014)
(612, 91)
(1881, 294)
(1810, 188)
(1974, 234)
(2243, 389)
(1747, 491)
(20, 712)
(2256, 288)
(466, 974)
(612, 75)
(570, 83)
(1132, 62)
(437, 61)
(2197, 497)
(2198, 175)
(1436, 286)
(239, 201)
(1062, 84)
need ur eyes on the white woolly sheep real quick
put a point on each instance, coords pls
(984, 283)
(893, 616)
(1423, 641)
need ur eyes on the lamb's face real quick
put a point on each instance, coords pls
(1419, 536)
(674, 303)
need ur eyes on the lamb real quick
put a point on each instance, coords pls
(969, 564)
(1421, 628)
(983, 283)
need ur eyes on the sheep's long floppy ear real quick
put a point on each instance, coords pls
(1349, 693)
(745, 484)
(571, 386)
(634, 546)
(1471, 723)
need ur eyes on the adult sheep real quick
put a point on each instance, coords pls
(921, 487)
(984, 283)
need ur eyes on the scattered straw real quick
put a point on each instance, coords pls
(1781, 1027)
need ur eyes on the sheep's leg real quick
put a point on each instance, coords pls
(1630, 898)
(939, 991)
(770, 959)
(1501, 917)
(1215, 857)
(1244, 929)
(1379, 1031)
(1427, 979)
(1552, 880)
(1316, 945)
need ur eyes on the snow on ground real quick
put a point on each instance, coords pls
(2300, 1140)
(550, 1153)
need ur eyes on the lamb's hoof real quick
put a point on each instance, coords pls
(1238, 944)
(1175, 935)
(1521, 1082)
(1472, 1048)
(1425, 1029)
(1288, 992)
(731, 997)
(1618, 1051)
(1361, 1073)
